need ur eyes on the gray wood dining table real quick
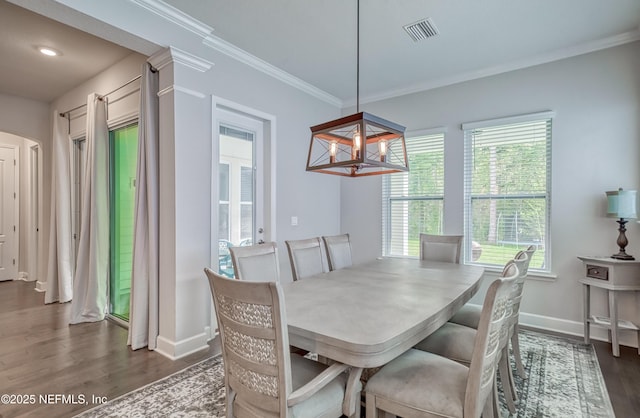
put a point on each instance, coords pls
(368, 314)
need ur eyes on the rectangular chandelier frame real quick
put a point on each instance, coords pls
(337, 147)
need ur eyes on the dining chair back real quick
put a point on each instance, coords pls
(514, 329)
(417, 383)
(463, 325)
(338, 251)
(256, 263)
(262, 379)
(445, 248)
(306, 257)
(488, 344)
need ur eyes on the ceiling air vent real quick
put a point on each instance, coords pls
(422, 29)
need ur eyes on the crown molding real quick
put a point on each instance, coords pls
(176, 16)
(204, 31)
(600, 44)
(175, 88)
(241, 55)
(175, 55)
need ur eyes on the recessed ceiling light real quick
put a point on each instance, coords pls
(50, 52)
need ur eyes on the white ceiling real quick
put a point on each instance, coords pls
(25, 72)
(316, 41)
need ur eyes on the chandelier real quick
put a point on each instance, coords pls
(361, 144)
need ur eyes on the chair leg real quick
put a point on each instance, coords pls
(231, 396)
(515, 345)
(370, 408)
(491, 407)
(512, 382)
(356, 414)
(352, 397)
(503, 369)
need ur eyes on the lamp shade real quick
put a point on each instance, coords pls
(622, 204)
(357, 145)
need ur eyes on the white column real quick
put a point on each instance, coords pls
(185, 185)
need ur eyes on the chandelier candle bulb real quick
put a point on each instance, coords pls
(382, 146)
(332, 152)
(356, 144)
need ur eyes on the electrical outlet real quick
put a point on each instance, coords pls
(294, 221)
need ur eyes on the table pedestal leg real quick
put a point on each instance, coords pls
(351, 403)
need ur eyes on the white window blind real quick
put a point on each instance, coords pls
(508, 189)
(413, 202)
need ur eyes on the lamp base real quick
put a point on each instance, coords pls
(623, 256)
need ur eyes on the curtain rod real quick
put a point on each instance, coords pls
(102, 96)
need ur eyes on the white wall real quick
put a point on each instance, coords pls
(28, 120)
(186, 157)
(595, 148)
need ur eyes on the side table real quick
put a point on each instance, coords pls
(615, 276)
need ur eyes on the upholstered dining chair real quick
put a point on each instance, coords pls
(469, 315)
(455, 341)
(338, 251)
(306, 257)
(445, 248)
(262, 379)
(422, 384)
(256, 263)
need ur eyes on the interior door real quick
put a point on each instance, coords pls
(8, 214)
(241, 219)
(35, 175)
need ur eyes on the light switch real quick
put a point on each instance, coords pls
(294, 221)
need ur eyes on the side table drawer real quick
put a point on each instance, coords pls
(597, 272)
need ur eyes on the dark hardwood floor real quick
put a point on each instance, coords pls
(41, 354)
(622, 376)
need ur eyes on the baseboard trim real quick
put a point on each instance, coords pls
(24, 276)
(176, 350)
(547, 323)
(40, 286)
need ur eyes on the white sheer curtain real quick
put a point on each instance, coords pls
(90, 282)
(143, 316)
(59, 284)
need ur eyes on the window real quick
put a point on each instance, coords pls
(412, 203)
(246, 203)
(223, 224)
(507, 189)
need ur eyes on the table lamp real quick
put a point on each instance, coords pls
(622, 204)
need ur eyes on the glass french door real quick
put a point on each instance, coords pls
(123, 157)
(123, 143)
(240, 185)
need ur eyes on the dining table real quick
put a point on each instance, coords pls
(368, 314)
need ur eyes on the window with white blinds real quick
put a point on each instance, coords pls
(507, 189)
(412, 202)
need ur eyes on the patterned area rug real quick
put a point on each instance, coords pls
(564, 381)
(197, 391)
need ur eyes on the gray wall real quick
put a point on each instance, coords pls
(595, 148)
(28, 119)
(186, 156)
(596, 97)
